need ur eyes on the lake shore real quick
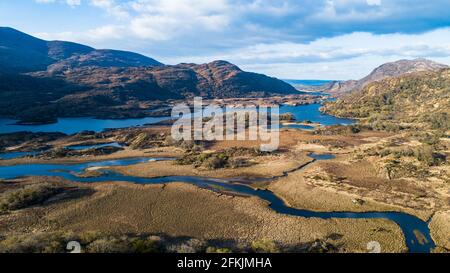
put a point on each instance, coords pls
(345, 183)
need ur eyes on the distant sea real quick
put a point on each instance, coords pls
(308, 82)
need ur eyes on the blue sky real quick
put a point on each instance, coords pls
(296, 39)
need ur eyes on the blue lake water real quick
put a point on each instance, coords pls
(298, 126)
(75, 125)
(312, 113)
(408, 223)
(322, 156)
(308, 82)
(12, 155)
(95, 146)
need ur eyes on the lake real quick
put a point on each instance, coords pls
(312, 113)
(75, 125)
(308, 82)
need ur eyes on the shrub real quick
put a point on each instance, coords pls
(215, 162)
(320, 246)
(145, 246)
(36, 243)
(212, 249)
(238, 163)
(287, 117)
(224, 159)
(339, 130)
(265, 246)
(439, 121)
(427, 155)
(27, 196)
(191, 246)
(109, 245)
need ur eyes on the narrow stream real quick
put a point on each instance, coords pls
(408, 223)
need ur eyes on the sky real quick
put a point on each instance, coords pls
(289, 39)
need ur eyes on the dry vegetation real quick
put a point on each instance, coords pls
(374, 171)
(166, 218)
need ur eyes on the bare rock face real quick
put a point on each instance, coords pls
(387, 70)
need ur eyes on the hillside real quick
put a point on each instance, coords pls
(218, 79)
(384, 71)
(42, 80)
(20, 52)
(419, 100)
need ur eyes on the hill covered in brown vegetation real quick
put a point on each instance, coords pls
(393, 69)
(413, 101)
(42, 80)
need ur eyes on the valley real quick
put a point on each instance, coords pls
(87, 154)
(290, 174)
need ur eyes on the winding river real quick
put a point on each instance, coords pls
(409, 224)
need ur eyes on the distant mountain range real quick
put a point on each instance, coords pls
(40, 80)
(387, 70)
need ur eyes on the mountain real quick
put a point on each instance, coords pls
(416, 101)
(103, 58)
(20, 52)
(218, 79)
(42, 80)
(393, 69)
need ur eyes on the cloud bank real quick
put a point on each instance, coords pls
(258, 34)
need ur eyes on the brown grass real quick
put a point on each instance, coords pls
(184, 210)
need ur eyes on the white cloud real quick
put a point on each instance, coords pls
(163, 20)
(118, 11)
(374, 2)
(106, 32)
(327, 37)
(92, 36)
(343, 57)
(72, 3)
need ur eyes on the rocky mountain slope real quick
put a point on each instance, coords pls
(414, 101)
(387, 70)
(41, 80)
(20, 52)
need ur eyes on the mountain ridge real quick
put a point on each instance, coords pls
(64, 79)
(21, 53)
(391, 69)
(412, 101)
